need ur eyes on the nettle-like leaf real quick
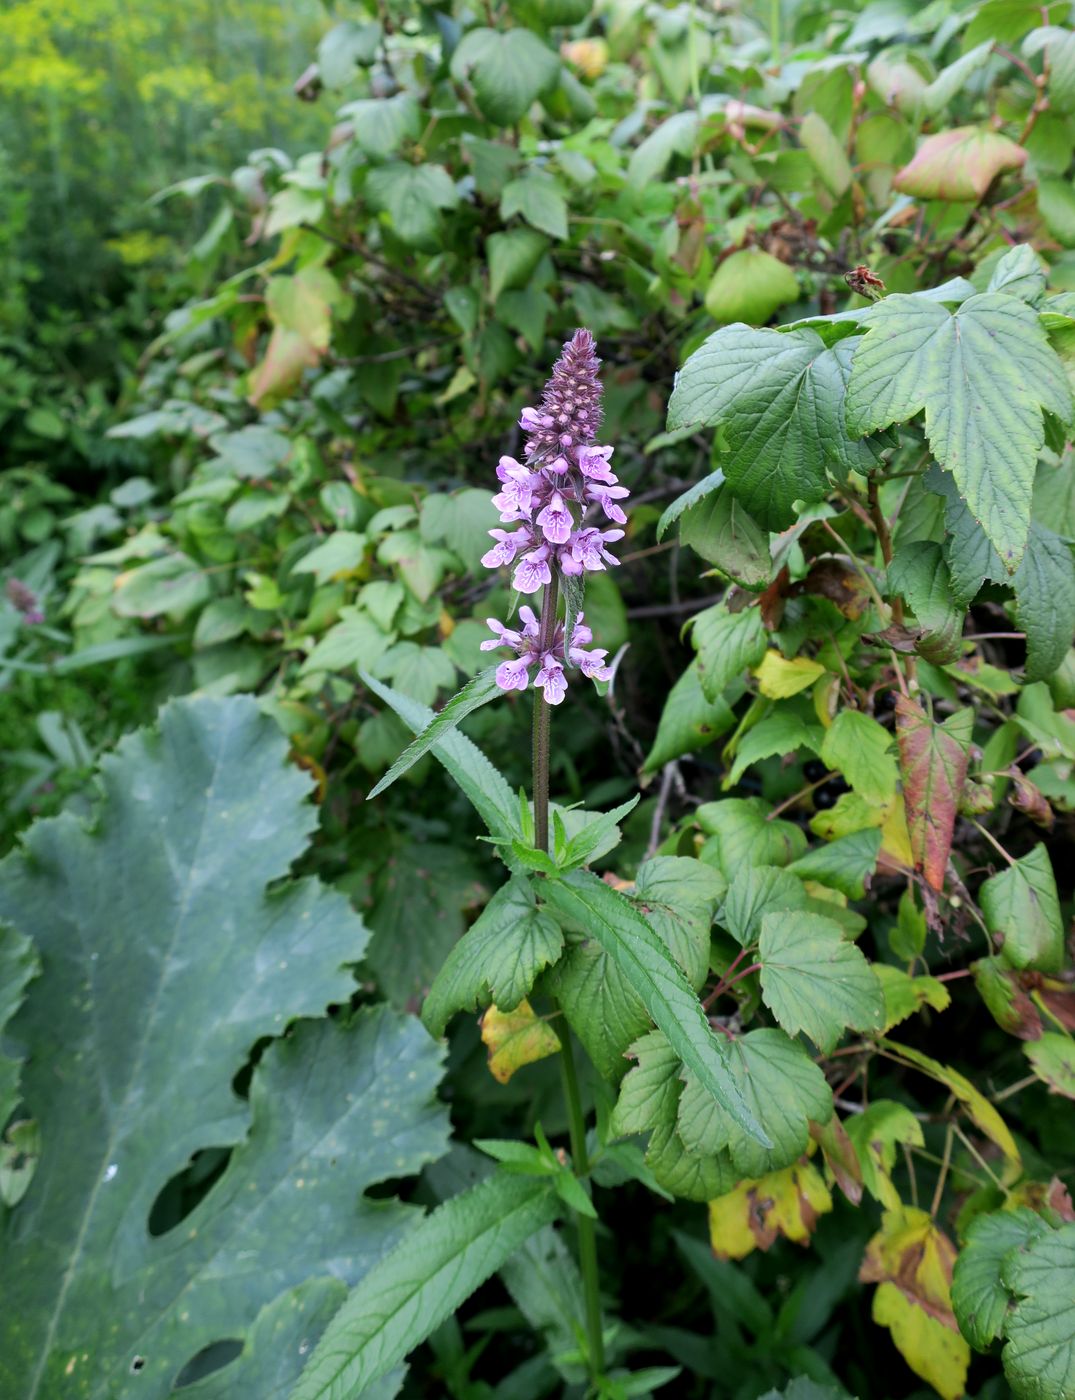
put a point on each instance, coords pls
(979, 1299)
(983, 374)
(1044, 586)
(498, 957)
(1021, 905)
(813, 980)
(933, 767)
(727, 644)
(18, 964)
(1039, 1357)
(508, 71)
(779, 400)
(164, 960)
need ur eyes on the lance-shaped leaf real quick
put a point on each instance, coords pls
(414, 1288)
(18, 963)
(658, 981)
(980, 1111)
(779, 399)
(497, 958)
(164, 960)
(1039, 1358)
(726, 643)
(933, 767)
(979, 1299)
(983, 375)
(918, 571)
(1021, 904)
(813, 980)
(1044, 586)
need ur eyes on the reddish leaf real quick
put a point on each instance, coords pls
(933, 767)
(959, 164)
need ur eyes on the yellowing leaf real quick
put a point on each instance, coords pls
(895, 836)
(904, 995)
(979, 1109)
(516, 1038)
(757, 1212)
(778, 678)
(874, 1136)
(959, 164)
(934, 1352)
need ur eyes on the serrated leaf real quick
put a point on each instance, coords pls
(355, 640)
(1044, 585)
(1020, 273)
(741, 832)
(497, 959)
(382, 124)
(1052, 1058)
(657, 980)
(413, 197)
(874, 1135)
(784, 1090)
(508, 70)
(540, 201)
(758, 890)
(688, 721)
(650, 1090)
(512, 257)
(727, 644)
(918, 356)
(844, 864)
(682, 1173)
(860, 748)
(679, 897)
(478, 691)
(413, 1289)
(758, 1212)
(201, 815)
(720, 530)
(779, 398)
(697, 493)
(341, 553)
(970, 555)
(959, 164)
(979, 1299)
(933, 768)
(1021, 905)
(780, 678)
(905, 995)
(1039, 1358)
(782, 732)
(516, 1038)
(486, 789)
(919, 573)
(814, 981)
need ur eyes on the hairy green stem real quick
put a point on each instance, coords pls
(587, 1234)
(587, 1231)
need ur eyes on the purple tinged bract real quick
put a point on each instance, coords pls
(552, 498)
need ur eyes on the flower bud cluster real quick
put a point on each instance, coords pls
(557, 499)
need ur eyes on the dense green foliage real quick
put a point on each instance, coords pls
(829, 258)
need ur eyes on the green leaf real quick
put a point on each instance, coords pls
(874, 1135)
(970, 556)
(688, 721)
(679, 897)
(779, 398)
(959, 164)
(600, 834)
(497, 959)
(812, 980)
(933, 769)
(413, 197)
(600, 1005)
(1020, 273)
(650, 1090)
(697, 493)
(18, 964)
(423, 1281)
(173, 585)
(727, 644)
(918, 356)
(1052, 1057)
(979, 1299)
(508, 71)
(418, 671)
(477, 692)
(720, 530)
(200, 817)
(784, 1090)
(749, 286)
(354, 640)
(844, 864)
(344, 46)
(381, 125)
(757, 890)
(1039, 1358)
(341, 553)
(1044, 586)
(657, 979)
(741, 833)
(783, 732)
(512, 258)
(826, 153)
(1021, 905)
(951, 80)
(487, 791)
(906, 995)
(540, 201)
(918, 572)
(860, 748)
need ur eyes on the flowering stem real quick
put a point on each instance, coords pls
(584, 1224)
(541, 725)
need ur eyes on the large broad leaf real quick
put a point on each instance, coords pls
(813, 980)
(498, 957)
(1022, 906)
(1039, 1359)
(164, 960)
(508, 71)
(779, 398)
(860, 748)
(658, 981)
(933, 766)
(960, 164)
(410, 1293)
(413, 196)
(689, 721)
(979, 1299)
(917, 356)
(727, 643)
(1044, 586)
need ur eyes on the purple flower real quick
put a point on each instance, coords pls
(606, 497)
(509, 542)
(551, 679)
(588, 550)
(533, 571)
(555, 520)
(593, 463)
(513, 675)
(24, 600)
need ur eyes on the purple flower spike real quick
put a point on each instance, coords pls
(563, 482)
(25, 601)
